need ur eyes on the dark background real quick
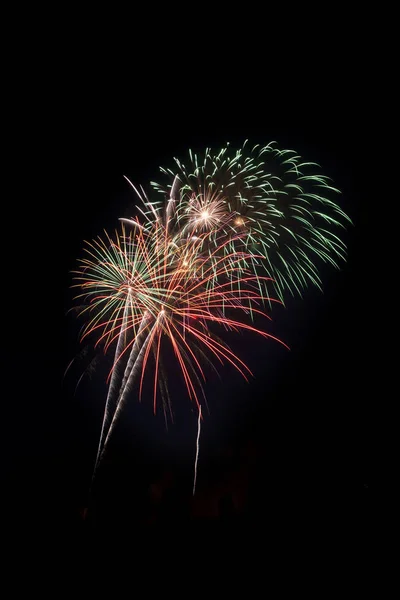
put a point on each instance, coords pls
(293, 450)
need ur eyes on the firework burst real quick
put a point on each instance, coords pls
(142, 292)
(281, 205)
(234, 232)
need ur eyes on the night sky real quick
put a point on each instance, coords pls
(292, 449)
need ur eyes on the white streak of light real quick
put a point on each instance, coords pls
(197, 450)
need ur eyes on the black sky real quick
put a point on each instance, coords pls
(304, 426)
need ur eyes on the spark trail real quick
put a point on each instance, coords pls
(197, 450)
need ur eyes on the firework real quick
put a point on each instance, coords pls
(281, 205)
(234, 232)
(143, 290)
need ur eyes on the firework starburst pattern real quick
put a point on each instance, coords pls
(221, 241)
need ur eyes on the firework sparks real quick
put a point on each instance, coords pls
(235, 232)
(143, 292)
(280, 203)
